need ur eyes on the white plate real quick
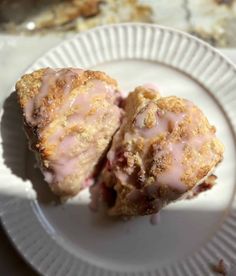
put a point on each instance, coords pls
(71, 240)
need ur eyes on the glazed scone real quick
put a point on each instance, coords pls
(164, 148)
(70, 116)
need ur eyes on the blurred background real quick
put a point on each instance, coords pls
(211, 20)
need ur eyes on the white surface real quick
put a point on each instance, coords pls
(135, 245)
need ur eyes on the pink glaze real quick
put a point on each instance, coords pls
(63, 167)
(48, 176)
(113, 95)
(68, 77)
(64, 161)
(164, 119)
(56, 135)
(123, 177)
(85, 100)
(88, 182)
(151, 85)
(98, 88)
(75, 118)
(83, 103)
(128, 136)
(60, 169)
(66, 145)
(72, 120)
(140, 118)
(172, 177)
(198, 141)
(111, 155)
(28, 110)
(49, 79)
(65, 164)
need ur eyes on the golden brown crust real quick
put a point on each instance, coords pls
(28, 87)
(141, 165)
(29, 84)
(51, 115)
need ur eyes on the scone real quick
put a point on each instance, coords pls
(70, 116)
(164, 148)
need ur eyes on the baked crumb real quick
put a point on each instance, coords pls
(163, 149)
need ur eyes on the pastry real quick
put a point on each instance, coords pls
(70, 116)
(163, 150)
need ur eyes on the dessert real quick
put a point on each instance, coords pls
(163, 150)
(70, 116)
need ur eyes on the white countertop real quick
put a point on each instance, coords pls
(16, 54)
